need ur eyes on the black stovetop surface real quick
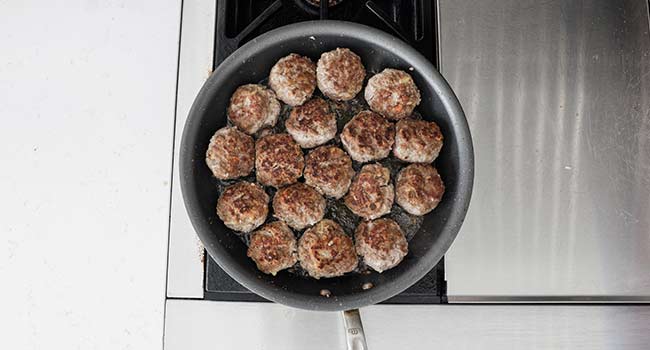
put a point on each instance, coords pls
(238, 21)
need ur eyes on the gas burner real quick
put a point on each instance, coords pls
(317, 7)
(317, 2)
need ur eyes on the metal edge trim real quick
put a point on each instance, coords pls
(546, 299)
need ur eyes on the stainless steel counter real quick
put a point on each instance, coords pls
(226, 325)
(558, 98)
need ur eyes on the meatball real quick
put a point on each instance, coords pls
(329, 170)
(293, 78)
(231, 154)
(381, 244)
(368, 137)
(273, 247)
(340, 74)
(311, 124)
(253, 107)
(417, 141)
(299, 205)
(392, 93)
(326, 251)
(371, 193)
(243, 206)
(278, 160)
(419, 188)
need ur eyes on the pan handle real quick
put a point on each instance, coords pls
(354, 335)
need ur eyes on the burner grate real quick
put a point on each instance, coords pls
(240, 21)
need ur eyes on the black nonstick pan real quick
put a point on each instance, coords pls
(251, 64)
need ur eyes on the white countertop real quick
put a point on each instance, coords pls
(87, 92)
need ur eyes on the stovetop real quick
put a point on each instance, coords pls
(239, 21)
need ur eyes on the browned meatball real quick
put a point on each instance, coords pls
(273, 247)
(231, 154)
(243, 206)
(293, 78)
(329, 170)
(392, 93)
(371, 193)
(311, 124)
(381, 244)
(368, 137)
(417, 141)
(278, 160)
(253, 107)
(419, 188)
(340, 74)
(299, 205)
(326, 251)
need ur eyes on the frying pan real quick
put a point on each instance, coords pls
(250, 64)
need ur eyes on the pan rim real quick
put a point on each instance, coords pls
(465, 159)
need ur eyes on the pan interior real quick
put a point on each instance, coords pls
(336, 208)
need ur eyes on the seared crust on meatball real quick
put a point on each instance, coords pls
(371, 193)
(311, 124)
(381, 243)
(299, 205)
(329, 170)
(253, 107)
(340, 74)
(231, 154)
(273, 247)
(417, 141)
(368, 137)
(243, 206)
(419, 188)
(278, 160)
(293, 78)
(392, 93)
(326, 251)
